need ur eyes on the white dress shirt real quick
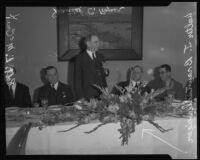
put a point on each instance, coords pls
(133, 83)
(90, 53)
(13, 86)
(55, 86)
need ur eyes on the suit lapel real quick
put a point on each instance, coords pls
(90, 63)
(89, 58)
(59, 87)
(7, 93)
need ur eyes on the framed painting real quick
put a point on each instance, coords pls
(118, 28)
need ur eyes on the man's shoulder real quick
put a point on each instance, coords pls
(81, 54)
(155, 83)
(22, 86)
(64, 85)
(44, 87)
(80, 58)
(100, 56)
(177, 84)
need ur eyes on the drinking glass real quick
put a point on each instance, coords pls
(44, 103)
(36, 105)
(170, 97)
(106, 71)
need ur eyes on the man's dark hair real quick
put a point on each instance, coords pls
(49, 68)
(166, 66)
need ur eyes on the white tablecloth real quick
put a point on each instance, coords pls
(105, 140)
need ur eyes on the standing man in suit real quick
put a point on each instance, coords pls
(16, 94)
(89, 70)
(54, 92)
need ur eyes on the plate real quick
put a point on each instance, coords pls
(12, 109)
(177, 101)
(176, 104)
(55, 107)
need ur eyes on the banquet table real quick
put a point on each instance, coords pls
(179, 143)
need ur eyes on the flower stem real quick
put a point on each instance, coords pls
(94, 129)
(159, 127)
(71, 128)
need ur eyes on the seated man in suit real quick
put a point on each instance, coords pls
(174, 88)
(16, 94)
(134, 78)
(54, 92)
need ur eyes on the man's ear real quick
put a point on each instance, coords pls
(88, 44)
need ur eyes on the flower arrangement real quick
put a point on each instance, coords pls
(130, 108)
(127, 109)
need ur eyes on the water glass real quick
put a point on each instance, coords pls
(44, 103)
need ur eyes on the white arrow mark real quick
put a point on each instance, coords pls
(149, 131)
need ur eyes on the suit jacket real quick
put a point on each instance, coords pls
(22, 96)
(61, 96)
(87, 73)
(177, 90)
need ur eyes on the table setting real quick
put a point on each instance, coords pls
(111, 125)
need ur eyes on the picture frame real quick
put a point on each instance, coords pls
(72, 22)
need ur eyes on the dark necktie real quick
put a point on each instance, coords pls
(93, 56)
(137, 84)
(53, 87)
(11, 92)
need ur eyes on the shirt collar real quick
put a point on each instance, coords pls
(138, 82)
(134, 83)
(90, 53)
(13, 85)
(55, 85)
